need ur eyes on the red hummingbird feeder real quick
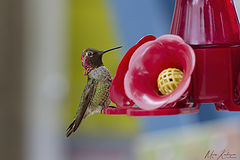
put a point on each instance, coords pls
(204, 44)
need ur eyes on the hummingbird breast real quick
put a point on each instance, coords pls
(101, 97)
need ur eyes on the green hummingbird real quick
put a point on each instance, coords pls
(95, 96)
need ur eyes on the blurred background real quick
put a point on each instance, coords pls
(42, 81)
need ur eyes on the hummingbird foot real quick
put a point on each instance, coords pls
(111, 107)
(107, 107)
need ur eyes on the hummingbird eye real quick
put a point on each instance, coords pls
(90, 54)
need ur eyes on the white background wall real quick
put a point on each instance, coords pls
(237, 5)
(45, 80)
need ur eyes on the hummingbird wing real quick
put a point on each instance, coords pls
(86, 98)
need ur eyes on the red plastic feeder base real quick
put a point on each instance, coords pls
(115, 111)
(162, 111)
(136, 111)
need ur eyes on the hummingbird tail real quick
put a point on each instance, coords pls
(86, 98)
(74, 125)
(70, 129)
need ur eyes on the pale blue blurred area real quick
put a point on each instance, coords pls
(136, 19)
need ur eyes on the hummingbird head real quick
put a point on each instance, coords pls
(92, 58)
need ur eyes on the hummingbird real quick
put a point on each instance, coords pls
(95, 96)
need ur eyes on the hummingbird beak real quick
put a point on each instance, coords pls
(105, 51)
